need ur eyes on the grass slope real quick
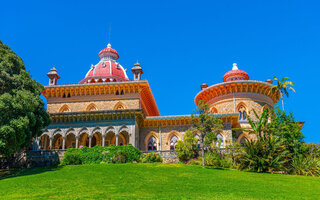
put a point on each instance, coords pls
(154, 181)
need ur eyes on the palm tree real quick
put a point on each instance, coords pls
(283, 86)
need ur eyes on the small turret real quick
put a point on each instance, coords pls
(137, 71)
(53, 76)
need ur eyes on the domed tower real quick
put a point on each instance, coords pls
(107, 70)
(238, 94)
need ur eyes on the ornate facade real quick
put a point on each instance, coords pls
(106, 108)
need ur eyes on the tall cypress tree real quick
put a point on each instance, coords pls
(22, 112)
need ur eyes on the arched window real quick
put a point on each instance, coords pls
(152, 144)
(243, 141)
(214, 110)
(64, 108)
(242, 112)
(198, 139)
(219, 142)
(119, 106)
(91, 107)
(173, 142)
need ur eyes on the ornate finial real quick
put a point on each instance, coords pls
(109, 45)
(53, 69)
(235, 67)
(138, 62)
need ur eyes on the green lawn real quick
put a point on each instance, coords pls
(154, 181)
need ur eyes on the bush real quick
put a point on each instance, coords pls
(214, 158)
(195, 161)
(266, 154)
(187, 148)
(119, 157)
(307, 166)
(151, 157)
(98, 154)
(72, 158)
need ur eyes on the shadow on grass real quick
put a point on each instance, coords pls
(217, 168)
(26, 172)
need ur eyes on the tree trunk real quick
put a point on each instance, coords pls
(203, 165)
(282, 103)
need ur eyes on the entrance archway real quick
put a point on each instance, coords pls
(110, 138)
(44, 142)
(57, 142)
(84, 140)
(71, 140)
(96, 139)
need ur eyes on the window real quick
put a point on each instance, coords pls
(198, 138)
(242, 112)
(219, 142)
(152, 144)
(173, 142)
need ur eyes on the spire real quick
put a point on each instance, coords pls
(137, 71)
(235, 67)
(53, 76)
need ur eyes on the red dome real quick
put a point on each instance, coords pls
(235, 74)
(109, 51)
(107, 70)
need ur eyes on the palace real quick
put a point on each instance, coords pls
(106, 107)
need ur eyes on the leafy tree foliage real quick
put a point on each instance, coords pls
(207, 125)
(187, 148)
(22, 113)
(284, 126)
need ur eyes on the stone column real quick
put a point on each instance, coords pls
(90, 139)
(227, 130)
(103, 140)
(50, 143)
(160, 138)
(117, 140)
(63, 143)
(77, 142)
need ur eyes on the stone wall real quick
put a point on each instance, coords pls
(100, 105)
(230, 105)
(165, 133)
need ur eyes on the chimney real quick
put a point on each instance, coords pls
(269, 81)
(203, 86)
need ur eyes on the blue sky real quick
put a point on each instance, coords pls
(180, 44)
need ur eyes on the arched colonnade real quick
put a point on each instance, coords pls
(85, 136)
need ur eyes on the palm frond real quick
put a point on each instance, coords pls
(291, 88)
(284, 79)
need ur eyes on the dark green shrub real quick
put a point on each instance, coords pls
(98, 154)
(151, 157)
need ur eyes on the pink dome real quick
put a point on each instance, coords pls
(235, 74)
(107, 70)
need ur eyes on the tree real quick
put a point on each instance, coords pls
(283, 86)
(187, 148)
(22, 113)
(207, 125)
(284, 126)
(268, 152)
